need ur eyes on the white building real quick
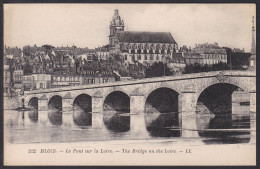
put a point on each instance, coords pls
(36, 81)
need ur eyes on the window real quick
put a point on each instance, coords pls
(151, 57)
(41, 85)
(145, 57)
(139, 57)
(157, 57)
(125, 57)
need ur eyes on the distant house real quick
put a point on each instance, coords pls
(102, 53)
(18, 76)
(206, 54)
(36, 81)
(93, 74)
(191, 58)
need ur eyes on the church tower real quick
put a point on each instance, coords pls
(116, 24)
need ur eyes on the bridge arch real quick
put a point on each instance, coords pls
(33, 103)
(162, 100)
(216, 98)
(169, 86)
(55, 103)
(231, 82)
(117, 101)
(83, 101)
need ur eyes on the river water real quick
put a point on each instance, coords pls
(79, 126)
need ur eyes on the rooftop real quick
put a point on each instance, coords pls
(145, 37)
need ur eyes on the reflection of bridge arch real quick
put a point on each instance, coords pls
(83, 102)
(162, 100)
(216, 98)
(33, 103)
(55, 102)
(117, 101)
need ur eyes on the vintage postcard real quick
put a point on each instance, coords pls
(129, 84)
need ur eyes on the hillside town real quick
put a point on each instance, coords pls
(128, 56)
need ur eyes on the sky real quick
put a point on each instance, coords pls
(87, 25)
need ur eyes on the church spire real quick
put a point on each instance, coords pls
(253, 50)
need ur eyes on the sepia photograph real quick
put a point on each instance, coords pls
(129, 84)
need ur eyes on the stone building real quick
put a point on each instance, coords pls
(36, 81)
(92, 74)
(206, 54)
(102, 53)
(144, 47)
(192, 58)
(18, 76)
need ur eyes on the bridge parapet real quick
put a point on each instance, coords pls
(148, 80)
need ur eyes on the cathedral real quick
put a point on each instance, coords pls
(144, 47)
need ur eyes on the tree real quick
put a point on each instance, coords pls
(196, 68)
(157, 70)
(48, 47)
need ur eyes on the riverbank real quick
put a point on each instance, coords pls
(12, 103)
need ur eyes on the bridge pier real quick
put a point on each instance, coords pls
(43, 104)
(252, 96)
(97, 120)
(189, 126)
(187, 103)
(97, 115)
(137, 119)
(238, 97)
(67, 104)
(137, 103)
(97, 104)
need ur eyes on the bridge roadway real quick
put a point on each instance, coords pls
(188, 88)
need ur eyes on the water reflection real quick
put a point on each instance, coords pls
(163, 125)
(33, 116)
(226, 129)
(116, 121)
(82, 118)
(55, 117)
(48, 126)
(12, 119)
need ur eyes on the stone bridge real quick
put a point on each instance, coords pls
(185, 93)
